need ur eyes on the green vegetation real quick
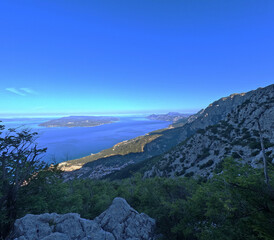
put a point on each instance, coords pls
(203, 155)
(129, 147)
(235, 203)
(236, 155)
(20, 160)
(207, 164)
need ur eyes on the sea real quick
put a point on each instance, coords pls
(65, 144)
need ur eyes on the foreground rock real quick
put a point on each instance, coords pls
(119, 221)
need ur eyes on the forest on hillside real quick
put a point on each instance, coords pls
(236, 203)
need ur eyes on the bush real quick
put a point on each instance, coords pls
(207, 164)
(236, 155)
(255, 145)
(236, 204)
(189, 174)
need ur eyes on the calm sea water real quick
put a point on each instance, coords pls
(70, 143)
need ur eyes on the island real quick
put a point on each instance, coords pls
(79, 121)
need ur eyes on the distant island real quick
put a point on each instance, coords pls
(171, 116)
(79, 121)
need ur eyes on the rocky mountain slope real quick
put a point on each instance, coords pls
(236, 135)
(195, 138)
(119, 221)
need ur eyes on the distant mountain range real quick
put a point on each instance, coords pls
(227, 127)
(79, 121)
(170, 117)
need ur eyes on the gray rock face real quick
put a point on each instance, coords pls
(126, 223)
(228, 127)
(119, 221)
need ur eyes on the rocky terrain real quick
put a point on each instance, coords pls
(119, 221)
(79, 121)
(195, 146)
(236, 135)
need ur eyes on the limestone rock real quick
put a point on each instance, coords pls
(119, 221)
(125, 222)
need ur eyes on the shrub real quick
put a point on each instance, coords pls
(189, 174)
(207, 164)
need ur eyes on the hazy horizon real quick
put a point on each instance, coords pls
(56, 115)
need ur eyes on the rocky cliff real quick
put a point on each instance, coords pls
(235, 134)
(119, 221)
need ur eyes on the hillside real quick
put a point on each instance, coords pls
(237, 136)
(206, 134)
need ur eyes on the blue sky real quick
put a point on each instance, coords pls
(145, 56)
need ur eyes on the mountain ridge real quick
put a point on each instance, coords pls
(170, 137)
(171, 117)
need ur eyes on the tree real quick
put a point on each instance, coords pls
(263, 152)
(20, 159)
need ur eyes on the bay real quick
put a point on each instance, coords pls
(71, 143)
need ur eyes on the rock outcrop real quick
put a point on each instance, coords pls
(119, 221)
(126, 223)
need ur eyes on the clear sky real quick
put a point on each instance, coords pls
(131, 56)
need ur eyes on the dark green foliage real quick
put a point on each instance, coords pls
(203, 155)
(267, 143)
(256, 133)
(207, 164)
(227, 149)
(219, 167)
(244, 130)
(233, 205)
(189, 174)
(236, 155)
(246, 135)
(254, 145)
(20, 160)
(182, 159)
(255, 153)
(245, 103)
(201, 131)
(214, 129)
(216, 152)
